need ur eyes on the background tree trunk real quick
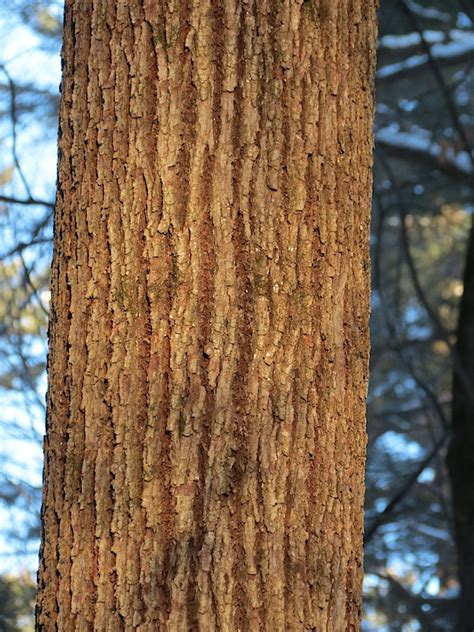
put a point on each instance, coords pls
(210, 295)
(460, 458)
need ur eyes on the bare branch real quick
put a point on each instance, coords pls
(14, 124)
(26, 202)
(384, 515)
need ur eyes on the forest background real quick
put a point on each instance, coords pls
(422, 216)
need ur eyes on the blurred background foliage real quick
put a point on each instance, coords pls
(17, 601)
(422, 216)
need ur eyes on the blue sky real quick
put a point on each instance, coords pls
(26, 61)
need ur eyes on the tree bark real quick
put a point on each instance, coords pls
(460, 458)
(210, 296)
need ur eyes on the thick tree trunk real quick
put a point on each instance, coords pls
(460, 458)
(210, 296)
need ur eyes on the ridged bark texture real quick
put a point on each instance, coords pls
(210, 296)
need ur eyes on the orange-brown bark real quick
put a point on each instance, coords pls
(208, 340)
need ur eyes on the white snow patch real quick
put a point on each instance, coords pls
(427, 12)
(404, 140)
(397, 42)
(421, 142)
(407, 64)
(461, 44)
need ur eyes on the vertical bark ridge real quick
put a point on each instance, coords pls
(205, 448)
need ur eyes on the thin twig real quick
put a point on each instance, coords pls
(14, 124)
(26, 202)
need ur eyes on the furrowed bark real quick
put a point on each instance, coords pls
(210, 295)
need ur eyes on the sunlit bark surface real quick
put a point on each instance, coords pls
(208, 341)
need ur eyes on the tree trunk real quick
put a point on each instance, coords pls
(460, 459)
(210, 296)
